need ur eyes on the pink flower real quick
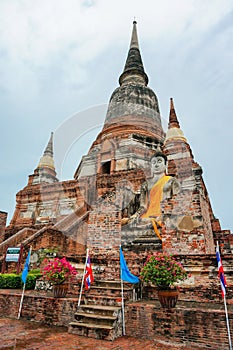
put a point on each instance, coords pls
(58, 270)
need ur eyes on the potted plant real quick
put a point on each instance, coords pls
(164, 271)
(59, 272)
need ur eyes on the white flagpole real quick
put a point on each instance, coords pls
(21, 301)
(122, 306)
(84, 271)
(122, 300)
(228, 327)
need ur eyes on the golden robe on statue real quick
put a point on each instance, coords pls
(155, 197)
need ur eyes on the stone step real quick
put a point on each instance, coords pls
(112, 284)
(148, 239)
(143, 246)
(112, 289)
(102, 300)
(91, 330)
(94, 286)
(90, 315)
(103, 292)
(108, 295)
(100, 316)
(90, 325)
(97, 319)
(140, 240)
(99, 309)
(78, 266)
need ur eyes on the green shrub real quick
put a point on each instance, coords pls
(10, 280)
(34, 272)
(14, 281)
(31, 280)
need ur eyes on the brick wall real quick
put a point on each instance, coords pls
(54, 239)
(39, 308)
(55, 196)
(193, 325)
(210, 293)
(188, 215)
(104, 225)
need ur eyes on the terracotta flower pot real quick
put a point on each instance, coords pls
(60, 290)
(168, 298)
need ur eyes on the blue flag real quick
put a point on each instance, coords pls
(26, 268)
(126, 275)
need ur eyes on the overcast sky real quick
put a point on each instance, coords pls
(61, 57)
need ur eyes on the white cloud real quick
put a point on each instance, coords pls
(37, 31)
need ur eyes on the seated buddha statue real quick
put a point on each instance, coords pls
(157, 187)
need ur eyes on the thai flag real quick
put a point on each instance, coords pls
(89, 278)
(221, 272)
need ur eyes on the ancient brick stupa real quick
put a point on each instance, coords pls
(112, 201)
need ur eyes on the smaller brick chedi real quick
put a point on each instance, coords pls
(138, 187)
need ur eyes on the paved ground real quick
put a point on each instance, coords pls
(19, 334)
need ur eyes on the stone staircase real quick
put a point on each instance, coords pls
(16, 239)
(100, 315)
(139, 239)
(108, 293)
(97, 321)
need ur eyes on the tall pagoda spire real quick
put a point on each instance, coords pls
(174, 131)
(46, 161)
(132, 121)
(134, 66)
(133, 102)
(173, 121)
(49, 148)
(45, 171)
(134, 37)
